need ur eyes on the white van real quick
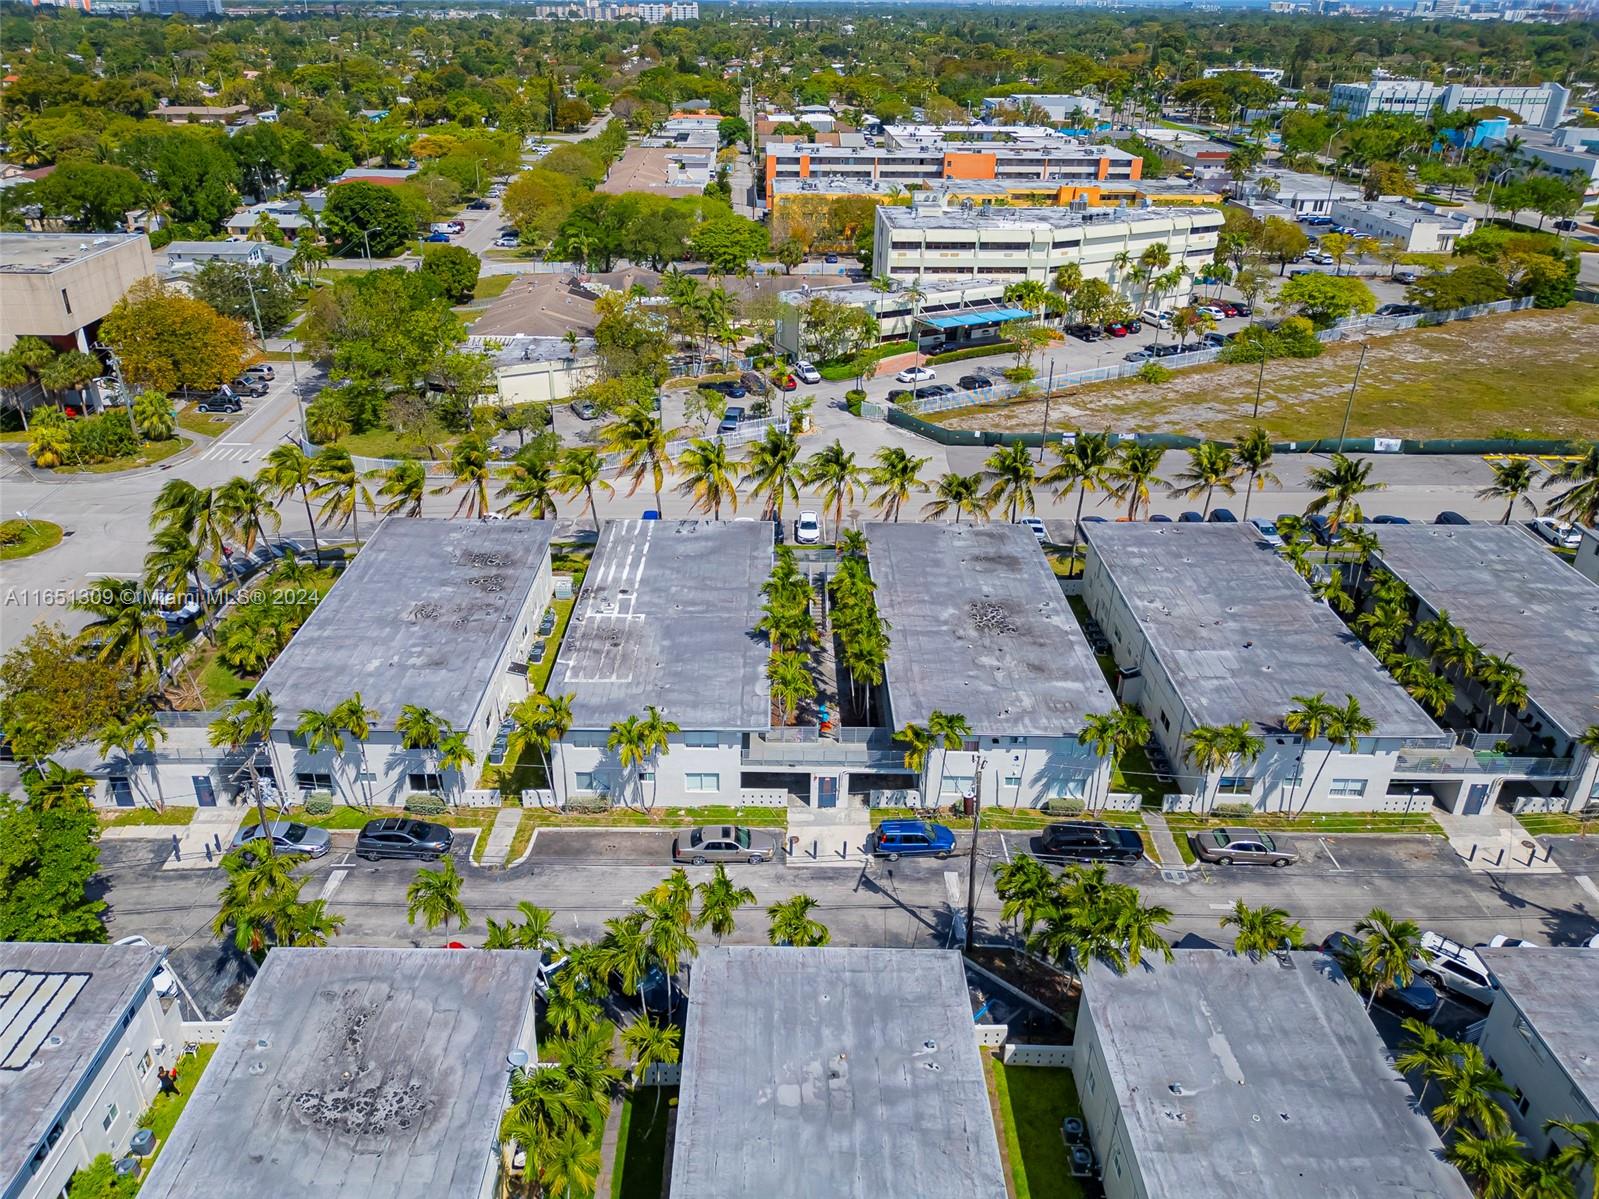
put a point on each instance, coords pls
(1153, 316)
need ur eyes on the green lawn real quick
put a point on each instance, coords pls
(640, 1166)
(150, 452)
(202, 423)
(1032, 1102)
(24, 538)
(1005, 818)
(1322, 822)
(492, 287)
(164, 1110)
(1555, 824)
(219, 682)
(150, 816)
(386, 443)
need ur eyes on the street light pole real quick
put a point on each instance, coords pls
(260, 335)
(1350, 406)
(971, 861)
(1261, 380)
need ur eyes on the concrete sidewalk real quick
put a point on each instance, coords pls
(1495, 843)
(501, 836)
(211, 828)
(1171, 857)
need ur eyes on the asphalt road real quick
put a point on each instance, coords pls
(588, 875)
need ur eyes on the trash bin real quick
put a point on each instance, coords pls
(142, 1144)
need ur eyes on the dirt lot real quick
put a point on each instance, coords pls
(1532, 373)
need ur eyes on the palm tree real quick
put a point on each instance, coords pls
(259, 897)
(1428, 1053)
(1469, 1088)
(833, 472)
(421, 728)
(1011, 475)
(896, 475)
(435, 895)
(1388, 949)
(308, 925)
(625, 952)
(577, 471)
(141, 730)
(1210, 465)
(124, 627)
(1027, 891)
(340, 488)
(774, 470)
(708, 476)
(657, 732)
(791, 681)
(639, 439)
(288, 469)
(919, 743)
(1112, 734)
(355, 718)
(470, 472)
(720, 899)
(1546, 1179)
(247, 507)
(956, 493)
(1513, 480)
(1508, 683)
(1494, 1162)
(569, 1164)
(650, 1044)
(1582, 1154)
(321, 730)
(1262, 930)
(1312, 718)
(1213, 748)
(1132, 475)
(529, 486)
(1340, 486)
(404, 486)
(791, 924)
(174, 561)
(628, 740)
(60, 787)
(1084, 464)
(1578, 503)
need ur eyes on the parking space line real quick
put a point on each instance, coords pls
(1220, 907)
(1587, 885)
(1004, 848)
(1326, 850)
(332, 885)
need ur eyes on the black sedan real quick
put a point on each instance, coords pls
(401, 837)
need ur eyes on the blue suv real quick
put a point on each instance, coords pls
(911, 837)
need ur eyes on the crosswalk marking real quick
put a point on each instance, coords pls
(227, 451)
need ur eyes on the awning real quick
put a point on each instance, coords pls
(989, 316)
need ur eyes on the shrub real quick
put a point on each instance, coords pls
(1293, 338)
(588, 805)
(999, 347)
(318, 803)
(1020, 374)
(1154, 372)
(853, 399)
(1232, 811)
(423, 804)
(1063, 807)
(101, 438)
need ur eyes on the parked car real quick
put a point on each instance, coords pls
(1085, 332)
(1559, 533)
(830, 259)
(1154, 316)
(724, 843)
(915, 374)
(1399, 310)
(583, 409)
(1191, 518)
(288, 836)
(437, 237)
(1240, 308)
(402, 837)
(507, 243)
(1214, 311)
(480, 206)
(1170, 350)
(1117, 329)
(261, 370)
(1386, 519)
(1222, 516)
(1501, 941)
(1321, 528)
(974, 382)
(755, 383)
(786, 380)
(250, 386)
(1141, 355)
(1267, 530)
(807, 529)
(1566, 225)
(1243, 846)
(227, 404)
(935, 392)
(731, 419)
(1450, 966)
(1418, 999)
(1091, 841)
(1160, 518)
(1450, 518)
(1037, 527)
(731, 388)
(895, 838)
(806, 373)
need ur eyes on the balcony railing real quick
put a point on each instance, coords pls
(1468, 762)
(863, 748)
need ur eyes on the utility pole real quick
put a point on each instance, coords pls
(971, 861)
(1350, 406)
(260, 335)
(1044, 430)
(1260, 382)
(260, 805)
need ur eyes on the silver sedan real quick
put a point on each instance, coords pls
(288, 836)
(724, 843)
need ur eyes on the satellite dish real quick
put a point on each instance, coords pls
(516, 1059)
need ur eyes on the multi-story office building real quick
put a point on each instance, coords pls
(60, 286)
(1541, 106)
(927, 154)
(927, 241)
(1416, 228)
(1269, 74)
(1058, 108)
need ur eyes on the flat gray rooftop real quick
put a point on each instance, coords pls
(421, 616)
(667, 617)
(1512, 596)
(45, 252)
(1554, 989)
(982, 219)
(75, 993)
(1404, 212)
(1236, 1077)
(1239, 632)
(850, 1073)
(354, 1073)
(978, 626)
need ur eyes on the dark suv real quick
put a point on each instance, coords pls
(1092, 841)
(400, 837)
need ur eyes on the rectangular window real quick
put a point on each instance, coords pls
(702, 782)
(1071, 787)
(66, 303)
(583, 780)
(1164, 723)
(699, 740)
(1013, 780)
(145, 1063)
(110, 1117)
(426, 781)
(308, 781)
(1348, 788)
(1236, 785)
(957, 784)
(122, 792)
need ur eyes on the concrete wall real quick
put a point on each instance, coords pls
(587, 768)
(1514, 1048)
(1587, 558)
(543, 382)
(105, 1115)
(62, 302)
(1020, 772)
(1107, 1131)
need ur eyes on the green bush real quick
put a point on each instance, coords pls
(423, 804)
(98, 1180)
(1020, 374)
(588, 805)
(1063, 807)
(999, 347)
(101, 438)
(853, 399)
(318, 803)
(1154, 372)
(836, 370)
(1293, 338)
(1232, 811)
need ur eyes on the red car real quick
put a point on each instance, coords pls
(786, 382)
(1116, 330)
(1227, 308)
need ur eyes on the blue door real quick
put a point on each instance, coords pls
(827, 793)
(204, 793)
(122, 792)
(1476, 799)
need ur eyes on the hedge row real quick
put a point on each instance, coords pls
(999, 347)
